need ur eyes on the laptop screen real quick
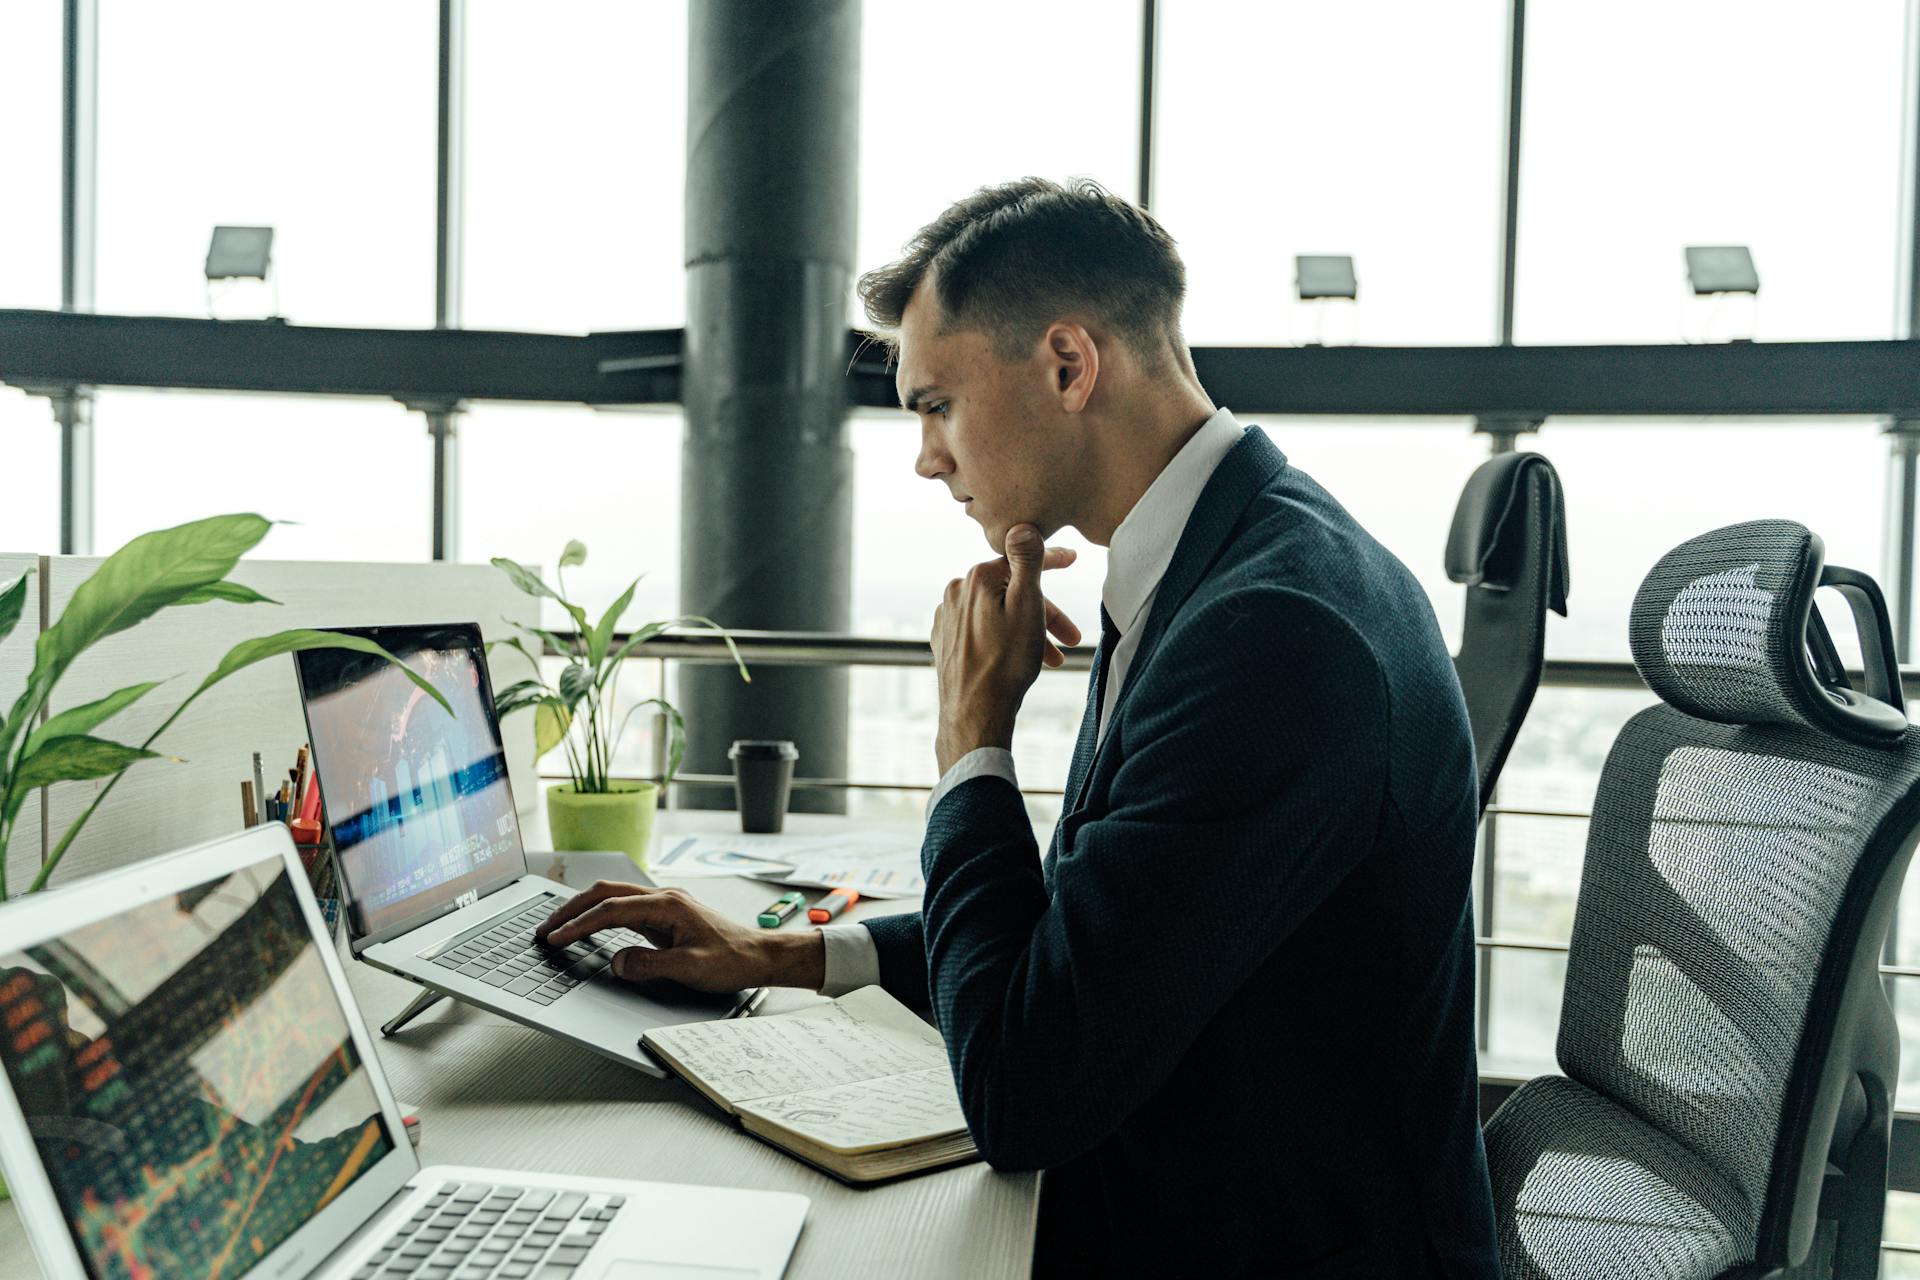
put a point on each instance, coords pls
(417, 800)
(187, 1074)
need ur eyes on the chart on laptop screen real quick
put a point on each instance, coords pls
(187, 1075)
(417, 800)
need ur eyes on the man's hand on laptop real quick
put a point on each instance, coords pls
(693, 944)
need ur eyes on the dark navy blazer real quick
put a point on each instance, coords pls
(1231, 1013)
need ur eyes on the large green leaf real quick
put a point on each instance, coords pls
(524, 578)
(531, 583)
(13, 602)
(230, 592)
(513, 642)
(653, 629)
(551, 719)
(576, 682)
(69, 759)
(602, 634)
(248, 652)
(148, 574)
(87, 718)
(241, 656)
(145, 576)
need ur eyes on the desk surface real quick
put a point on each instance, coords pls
(491, 1092)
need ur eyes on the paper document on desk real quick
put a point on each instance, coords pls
(859, 1087)
(880, 864)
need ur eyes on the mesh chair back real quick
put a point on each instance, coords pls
(1738, 835)
(1508, 545)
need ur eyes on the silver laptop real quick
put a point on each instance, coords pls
(434, 882)
(189, 1091)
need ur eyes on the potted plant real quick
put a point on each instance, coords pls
(170, 568)
(593, 810)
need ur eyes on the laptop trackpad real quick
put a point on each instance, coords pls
(627, 1269)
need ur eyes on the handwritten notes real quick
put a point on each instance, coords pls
(859, 1087)
(870, 1114)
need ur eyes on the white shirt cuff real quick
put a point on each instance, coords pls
(852, 959)
(981, 762)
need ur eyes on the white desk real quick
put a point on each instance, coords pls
(491, 1092)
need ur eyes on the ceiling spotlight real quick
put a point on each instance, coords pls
(1726, 293)
(1325, 286)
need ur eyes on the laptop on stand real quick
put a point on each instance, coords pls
(434, 882)
(188, 1090)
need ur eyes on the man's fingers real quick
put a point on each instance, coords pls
(1025, 554)
(1060, 625)
(1051, 655)
(643, 964)
(583, 901)
(634, 912)
(1059, 557)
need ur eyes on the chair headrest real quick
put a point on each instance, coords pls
(1488, 544)
(1724, 629)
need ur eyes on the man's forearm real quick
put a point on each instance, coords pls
(797, 959)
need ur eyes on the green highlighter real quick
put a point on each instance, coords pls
(782, 910)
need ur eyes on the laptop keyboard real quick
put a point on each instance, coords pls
(503, 954)
(473, 1231)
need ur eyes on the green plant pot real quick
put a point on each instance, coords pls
(620, 819)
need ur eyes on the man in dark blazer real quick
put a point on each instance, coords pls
(1230, 1011)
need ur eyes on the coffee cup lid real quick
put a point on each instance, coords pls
(749, 749)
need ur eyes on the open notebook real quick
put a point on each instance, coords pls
(859, 1087)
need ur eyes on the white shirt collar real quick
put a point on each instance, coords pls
(1144, 544)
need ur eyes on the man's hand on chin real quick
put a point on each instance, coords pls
(990, 637)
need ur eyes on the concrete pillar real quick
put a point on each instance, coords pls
(766, 523)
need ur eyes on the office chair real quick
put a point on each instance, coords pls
(1725, 1034)
(1508, 545)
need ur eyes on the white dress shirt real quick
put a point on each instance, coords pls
(1142, 548)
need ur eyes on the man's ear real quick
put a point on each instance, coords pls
(1073, 362)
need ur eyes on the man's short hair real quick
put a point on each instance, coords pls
(1010, 260)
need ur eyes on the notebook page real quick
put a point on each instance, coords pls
(861, 1036)
(887, 1112)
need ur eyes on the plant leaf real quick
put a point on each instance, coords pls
(134, 583)
(603, 633)
(524, 578)
(514, 642)
(653, 629)
(560, 646)
(576, 682)
(13, 602)
(242, 655)
(231, 592)
(248, 652)
(69, 759)
(87, 718)
(575, 552)
(551, 720)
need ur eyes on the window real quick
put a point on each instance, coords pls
(351, 477)
(576, 139)
(30, 504)
(948, 106)
(317, 121)
(1365, 129)
(534, 477)
(30, 131)
(1653, 126)
(1637, 489)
